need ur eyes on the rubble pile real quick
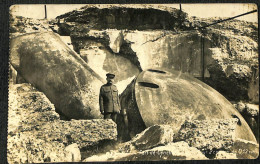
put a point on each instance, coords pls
(196, 140)
(233, 26)
(20, 25)
(36, 134)
(153, 144)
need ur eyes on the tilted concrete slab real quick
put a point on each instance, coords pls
(46, 62)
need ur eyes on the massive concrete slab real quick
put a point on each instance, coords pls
(46, 62)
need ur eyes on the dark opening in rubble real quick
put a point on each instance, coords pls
(149, 85)
(157, 71)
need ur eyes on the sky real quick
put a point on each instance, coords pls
(199, 10)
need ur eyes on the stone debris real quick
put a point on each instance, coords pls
(29, 109)
(151, 137)
(85, 133)
(245, 149)
(36, 134)
(225, 155)
(209, 135)
(234, 26)
(27, 148)
(20, 25)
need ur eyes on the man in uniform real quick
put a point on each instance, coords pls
(108, 99)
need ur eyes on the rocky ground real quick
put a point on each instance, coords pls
(193, 141)
(37, 134)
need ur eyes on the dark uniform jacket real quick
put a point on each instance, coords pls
(108, 99)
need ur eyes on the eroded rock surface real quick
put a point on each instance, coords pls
(209, 135)
(216, 139)
(36, 134)
(234, 67)
(83, 132)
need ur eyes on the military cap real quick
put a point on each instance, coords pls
(110, 75)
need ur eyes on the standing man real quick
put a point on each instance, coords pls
(108, 99)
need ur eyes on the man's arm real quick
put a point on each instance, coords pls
(101, 107)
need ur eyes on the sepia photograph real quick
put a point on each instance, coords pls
(133, 82)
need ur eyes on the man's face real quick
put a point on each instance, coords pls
(110, 81)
